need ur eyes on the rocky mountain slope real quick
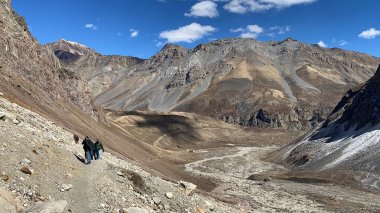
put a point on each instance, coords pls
(33, 77)
(285, 84)
(98, 70)
(41, 171)
(31, 71)
(348, 139)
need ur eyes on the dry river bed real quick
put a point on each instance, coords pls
(268, 191)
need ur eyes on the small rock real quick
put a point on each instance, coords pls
(121, 174)
(189, 187)
(201, 210)
(259, 177)
(65, 187)
(2, 116)
(169, 195)
(15, 121)
(4, 176)
(137, 210)
(156, 200)
(26, 161)
(1, 94)
(41, 198)
(49, 207)
(209, 205)
(26, 170)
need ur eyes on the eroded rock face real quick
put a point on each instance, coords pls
(360, 108)
(347, 140)
(32, 71)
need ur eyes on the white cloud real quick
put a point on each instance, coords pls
(134, 33)
(91, 26)
(188, 33)
(280, 29)
(340, 42)
(204, 9)
(322, 44)
(370, 33)
(251, 31)
(244, 6)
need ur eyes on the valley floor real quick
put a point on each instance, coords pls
(58, 179)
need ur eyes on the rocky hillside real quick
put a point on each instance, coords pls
(98, 70)
(348, 139)
(33, 77)
(31, 71)
(41, 171)
(285, 84)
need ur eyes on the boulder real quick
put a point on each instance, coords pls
(49, 207)
(8, 203)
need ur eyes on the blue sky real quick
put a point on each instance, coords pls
(140, 27)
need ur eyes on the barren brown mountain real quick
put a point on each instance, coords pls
(285, 84)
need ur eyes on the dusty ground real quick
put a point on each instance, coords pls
(232, 166)
(220, 167)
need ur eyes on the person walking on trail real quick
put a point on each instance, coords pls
(98, 150)
(88, 147)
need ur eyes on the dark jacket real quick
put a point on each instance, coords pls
(99, 146)
(88, 145)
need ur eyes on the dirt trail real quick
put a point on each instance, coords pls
(83, 193)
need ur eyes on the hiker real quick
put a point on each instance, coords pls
(76, 138)
(98, 150)
(88, 147)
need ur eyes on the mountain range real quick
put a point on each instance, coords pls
(285, 84)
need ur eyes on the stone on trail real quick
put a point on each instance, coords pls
(49, 207)
(189, 187)
(15, 121)
(169, 195)
(2, 116)
(157, 200)
(65, 187)
(136, 210)
(26, 170)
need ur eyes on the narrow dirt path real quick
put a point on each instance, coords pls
(84, 191)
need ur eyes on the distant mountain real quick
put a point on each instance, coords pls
(285, 84)
(348, 139)
(98, 70)
(68, 50)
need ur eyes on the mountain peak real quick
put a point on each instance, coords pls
(67, 50)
